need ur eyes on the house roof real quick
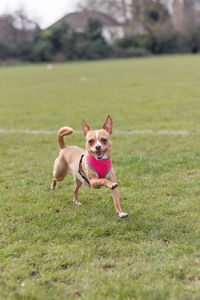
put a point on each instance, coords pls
(78, 20)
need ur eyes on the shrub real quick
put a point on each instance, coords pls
(163, 40)
(131, 52)
(3, 51)
(42, 51)
(190, 41)
(98, 49)
(131, 46)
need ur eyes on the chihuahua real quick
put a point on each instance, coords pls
(92, 166)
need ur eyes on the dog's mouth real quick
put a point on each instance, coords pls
(99, 154)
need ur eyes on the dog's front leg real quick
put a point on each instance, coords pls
(116, 196)
(116, 200)
(99, 182)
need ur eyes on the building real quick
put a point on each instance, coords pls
(185, 14)
(111, 29)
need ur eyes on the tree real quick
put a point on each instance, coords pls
(60, 42)
(124, 11)
(120, 9)
(17, 32)
(97, 46)
(155, 19)
(149, 16)
(57, 40)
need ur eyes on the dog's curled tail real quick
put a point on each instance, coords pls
(61, 133)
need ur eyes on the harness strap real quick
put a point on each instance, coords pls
(79, 171)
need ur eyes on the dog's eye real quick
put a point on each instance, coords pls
(104, 141)
(91, 142)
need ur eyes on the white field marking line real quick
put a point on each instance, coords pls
(28, 131)
(117, 131)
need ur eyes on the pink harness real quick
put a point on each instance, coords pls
(101, 167)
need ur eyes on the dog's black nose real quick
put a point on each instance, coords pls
(98, 147)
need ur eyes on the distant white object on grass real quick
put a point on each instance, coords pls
(83, 78)
(49, 67)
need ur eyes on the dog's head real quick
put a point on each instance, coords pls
(98, 142)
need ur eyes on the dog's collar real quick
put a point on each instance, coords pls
(101, 167)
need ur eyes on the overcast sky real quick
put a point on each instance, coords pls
(45, 11)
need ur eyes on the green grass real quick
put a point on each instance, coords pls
(52, 249)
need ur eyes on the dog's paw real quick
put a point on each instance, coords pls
(53, 188)
(77, 202)
(114, 185)
(123, 215)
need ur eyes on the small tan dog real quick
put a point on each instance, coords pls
(92, 166)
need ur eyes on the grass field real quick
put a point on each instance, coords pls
(52, 249)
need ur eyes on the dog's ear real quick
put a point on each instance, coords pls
(85, 128)
(108, 124)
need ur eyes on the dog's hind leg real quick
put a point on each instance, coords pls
(77, 186)
(54, 183)
(59, 172)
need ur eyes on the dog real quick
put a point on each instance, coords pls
(92, 166)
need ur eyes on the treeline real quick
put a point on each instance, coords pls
(61, 43)
(22, 39)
